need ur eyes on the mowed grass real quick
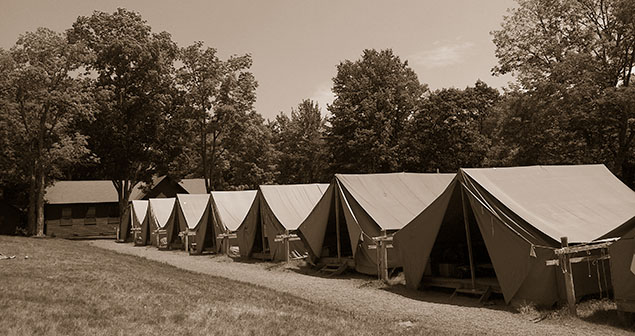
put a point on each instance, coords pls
(69, 288)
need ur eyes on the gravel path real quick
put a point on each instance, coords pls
(365, 296)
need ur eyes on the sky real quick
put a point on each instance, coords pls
(297, 45)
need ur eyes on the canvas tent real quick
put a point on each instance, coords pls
(195, 219)
(515, 218)
(277, 210)
(356, 208)
(230, 210)
(139, 222)
(622, 254)
(164, 231)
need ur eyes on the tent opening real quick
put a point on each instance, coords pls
(261, 244)
(329, 248)
(449, 262)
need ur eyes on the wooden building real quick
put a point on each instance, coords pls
(10, 218)
(81, 209)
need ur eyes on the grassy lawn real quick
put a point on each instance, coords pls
(70, 288)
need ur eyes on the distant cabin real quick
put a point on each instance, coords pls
(81, 209)
(90, 209)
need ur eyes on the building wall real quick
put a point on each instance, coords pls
(81, 220)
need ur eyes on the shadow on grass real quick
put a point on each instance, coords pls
(444, 296)
(603, 312)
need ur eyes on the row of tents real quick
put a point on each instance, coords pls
(487, 229)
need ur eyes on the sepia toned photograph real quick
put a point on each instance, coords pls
(304, 167)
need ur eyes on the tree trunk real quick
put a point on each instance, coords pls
(31, 212)
(40, 203)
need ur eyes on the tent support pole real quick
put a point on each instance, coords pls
(469, 238)
(337, 226)
(565, 264)
(286, 246)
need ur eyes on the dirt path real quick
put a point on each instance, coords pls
(362, 295)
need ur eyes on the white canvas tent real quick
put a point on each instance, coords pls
(357, 208)
(195, 219)
(162, 222)
(230, 210)
(277, 211)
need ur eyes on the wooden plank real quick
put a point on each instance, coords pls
(337, 224)
(581, 248)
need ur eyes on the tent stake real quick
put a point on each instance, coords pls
(469, 238)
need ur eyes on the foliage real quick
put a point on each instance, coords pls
(41, 102)
(452, 130)
(374, 99)
(135, 93)
(300, 145)
(574, 61)
(219, 97)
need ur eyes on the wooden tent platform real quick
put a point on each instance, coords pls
(455, 283)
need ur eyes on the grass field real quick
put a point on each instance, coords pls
(70, 288)
(73, 288)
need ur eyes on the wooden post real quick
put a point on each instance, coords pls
(337, 226)
(187, 241)
(565, 264)
(384, 258)
(468, 237)
(286, 246)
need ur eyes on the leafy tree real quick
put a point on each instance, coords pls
(374, 99)
(134, 70)
(41, 101)
(453, 128)
(219, 95)
(571, 58)
(299, 141)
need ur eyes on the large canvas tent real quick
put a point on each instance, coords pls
(622, 254)
(357, 208)
(139, 222)
(515, 218)
(230, 210)
(277, 210)
(195, 219)
(164, 230)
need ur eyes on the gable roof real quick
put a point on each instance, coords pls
(291, 204)
(193, 207)
(232, 206)
(393, 200)
(194, 186)
(72, 192)
(581, 202)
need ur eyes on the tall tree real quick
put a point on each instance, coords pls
(134, 71)
(453, 129)
(41, 101)
(570, 58)
(218, 95)
(374, 98)
(299, 141)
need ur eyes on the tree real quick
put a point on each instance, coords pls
(299, 141)
(41, 102)
(571, 57)
(134, 70)
(374, 99)
(219, 95)
(453, 129)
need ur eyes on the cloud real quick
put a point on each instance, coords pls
(323, 95)
(442, 56)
